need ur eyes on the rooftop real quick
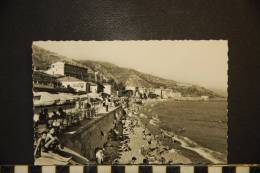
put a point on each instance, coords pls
(72, 63)
(42, 73)
(69, 79)
(92, 83)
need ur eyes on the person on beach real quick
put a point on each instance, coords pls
(115, 162)
(88, 107)
(56, 120)
(143, 150)
(53, 144)
(145, 161)
(99, 155)
(133, 160)
(162, 160)
(51, 140)
(42, 122)
(62, 113)
(63, 117)
(170, 162)
(40, 145)
(162, 133)
(43, 116)
(46, 147)
(106, 104)
(149, 138)
(93, 111)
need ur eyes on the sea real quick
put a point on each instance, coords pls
(199, 126)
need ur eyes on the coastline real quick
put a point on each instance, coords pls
(174, 148)
(195, 152)
(137, 141)
(177, 149)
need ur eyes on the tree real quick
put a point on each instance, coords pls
(121, 86)
(111, 81)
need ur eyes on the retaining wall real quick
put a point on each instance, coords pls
(87, 140)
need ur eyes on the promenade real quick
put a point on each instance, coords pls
(68, 134)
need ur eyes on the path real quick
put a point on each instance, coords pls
(137, 141)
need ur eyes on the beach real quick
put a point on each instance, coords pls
(137, 141)
(184, 139)
(155, 131)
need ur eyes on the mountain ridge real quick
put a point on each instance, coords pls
(43, 58)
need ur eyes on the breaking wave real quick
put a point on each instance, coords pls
(187, 143)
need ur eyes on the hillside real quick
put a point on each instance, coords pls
(43, 58)
(128, 76)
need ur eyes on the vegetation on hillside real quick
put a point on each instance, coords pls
(118, 76)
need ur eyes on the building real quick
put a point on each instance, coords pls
(167, 93)
(72, 82)
(43, 80)
(142, 90)
(66, 69)
(125, 93)
(158, 91)
(137, 91)
(92, 87)
(91, 76)
(205, 98)
(99, 77)
(107, 88)
(128, 87)
(176, 95)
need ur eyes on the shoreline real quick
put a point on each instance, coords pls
(177, 149)
(137, 142)
(172, 147)
(197, 153)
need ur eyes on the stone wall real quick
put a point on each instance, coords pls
(92, 137)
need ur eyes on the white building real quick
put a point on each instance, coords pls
(128, 87)
(158, 91)
(107, 88)
(68, 69)
(166, 93)
(92, 87)
(73, 82)
(205, 98)
(56, 68)
(176, 94)
(142, 90)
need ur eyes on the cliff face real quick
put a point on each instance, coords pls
(117, 75)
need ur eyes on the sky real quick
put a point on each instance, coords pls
(201, 62)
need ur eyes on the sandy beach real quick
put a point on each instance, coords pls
(156, 153)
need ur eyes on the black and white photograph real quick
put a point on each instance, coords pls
(130, 102)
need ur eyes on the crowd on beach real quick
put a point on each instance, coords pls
(143, 143)
(50, 126)
(151, 149)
